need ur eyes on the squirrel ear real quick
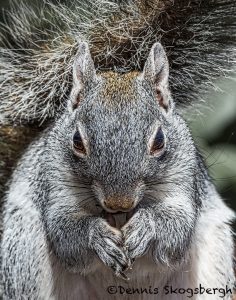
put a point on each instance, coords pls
(84, 73)
(156, 71)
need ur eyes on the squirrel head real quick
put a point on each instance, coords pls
(119, 128)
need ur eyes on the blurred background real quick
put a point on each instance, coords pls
(214, 129)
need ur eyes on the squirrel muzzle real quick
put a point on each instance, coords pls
(119, 203)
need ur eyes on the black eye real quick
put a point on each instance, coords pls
(158, 142)
(78, 144)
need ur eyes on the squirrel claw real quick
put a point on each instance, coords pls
(122, 276)
(130, 263)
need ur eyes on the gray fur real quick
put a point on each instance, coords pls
(56, 243)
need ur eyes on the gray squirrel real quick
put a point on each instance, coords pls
(114, 193)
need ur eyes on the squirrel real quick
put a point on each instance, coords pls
(113, 195)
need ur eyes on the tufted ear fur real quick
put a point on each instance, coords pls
(84, 74)
(156, 71)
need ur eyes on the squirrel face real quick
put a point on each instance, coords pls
(119, 128)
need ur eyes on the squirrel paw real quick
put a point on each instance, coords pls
(138, 233)
(107, 242)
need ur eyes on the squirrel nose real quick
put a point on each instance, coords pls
(119, 203)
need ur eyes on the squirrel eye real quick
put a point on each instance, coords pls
(158, 142)
(78, 144)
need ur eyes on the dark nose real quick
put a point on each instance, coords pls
(119, 203)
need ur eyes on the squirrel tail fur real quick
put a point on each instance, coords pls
(38, 45)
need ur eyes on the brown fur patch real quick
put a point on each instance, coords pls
(118, 87)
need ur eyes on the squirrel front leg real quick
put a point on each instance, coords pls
(165, 227)
(76, 238)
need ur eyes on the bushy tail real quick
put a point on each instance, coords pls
(38, 46)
